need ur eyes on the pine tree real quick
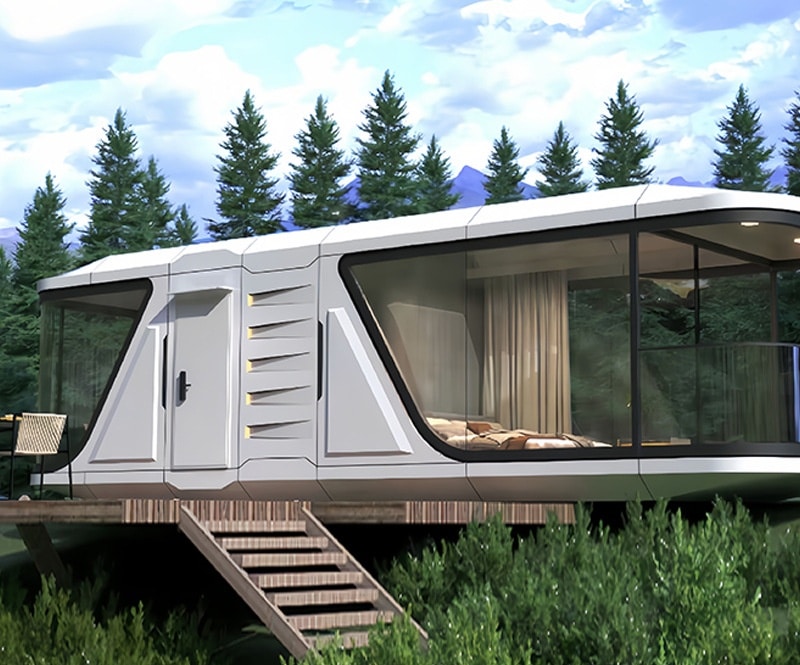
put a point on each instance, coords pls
(791, 153)
(623, 147)
(434, 180)
(115, 205)
(17, 374)
(6, 294)
(560, 166)
(386, 170)
(742, 158)
(247, 199)
(43, 250)
(157, 212)
(318, 197)
(6, 279)
(183, 230)
(503, 183)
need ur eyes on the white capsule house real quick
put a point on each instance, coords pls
(636, 342)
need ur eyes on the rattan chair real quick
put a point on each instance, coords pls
(40, 434)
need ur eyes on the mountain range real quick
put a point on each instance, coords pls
(468, 184)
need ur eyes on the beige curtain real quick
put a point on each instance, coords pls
(436, 355)
(526, 363)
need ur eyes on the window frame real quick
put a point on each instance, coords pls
(631, 227)
(104, 288)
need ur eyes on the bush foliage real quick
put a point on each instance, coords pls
(64, 628)
(660, 590)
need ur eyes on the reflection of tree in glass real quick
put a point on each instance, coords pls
(666, 374)
(789, 306)
(599, 361)
(80, 352)
(727, 388)
(735, 309)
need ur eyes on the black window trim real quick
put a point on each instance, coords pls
(631, 227)
(53, 295)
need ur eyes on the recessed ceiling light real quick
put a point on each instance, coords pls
(749, 224)
(797, 241)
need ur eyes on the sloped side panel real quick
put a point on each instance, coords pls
(279, 356)
(361, 420)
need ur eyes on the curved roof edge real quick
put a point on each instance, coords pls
(298, 249)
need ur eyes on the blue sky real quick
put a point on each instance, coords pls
(178, 68)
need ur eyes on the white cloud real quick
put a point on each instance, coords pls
(525, 12)
(207, 79)
(344, 83)
(400, 17)
(24, 164)
(689, 156)
(37, 20)
(504, 66)
(767, 50)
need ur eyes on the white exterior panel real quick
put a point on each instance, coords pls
(285, 251)
(659, 201)
(443, 226)
(556, 212)
(393, 482)
(279, 365)
(356, 435)
(128, 434)
(762, 478)
(558, 480)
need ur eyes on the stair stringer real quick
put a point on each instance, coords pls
(239, 580)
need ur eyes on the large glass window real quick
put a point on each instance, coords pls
(83, 335)
(523, 347)
(528, 345)
(714, 308)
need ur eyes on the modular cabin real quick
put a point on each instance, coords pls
(635, 342)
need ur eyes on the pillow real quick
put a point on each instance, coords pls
(514, 443)
(460, 441)
(448, 428)
(482, 443)
(483, 426)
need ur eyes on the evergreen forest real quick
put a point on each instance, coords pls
(395, 171)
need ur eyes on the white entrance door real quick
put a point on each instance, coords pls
(202, 379)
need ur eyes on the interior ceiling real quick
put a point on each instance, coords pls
(118, 300)
(774, 242)
(603, 256)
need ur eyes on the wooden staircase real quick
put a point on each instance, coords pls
(296, 577)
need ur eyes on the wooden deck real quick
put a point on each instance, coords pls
(278, 556)
(167, 511)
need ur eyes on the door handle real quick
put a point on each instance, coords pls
(183, 386)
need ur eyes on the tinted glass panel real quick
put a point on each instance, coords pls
(82, 338)
(711, 367)
(524, 347)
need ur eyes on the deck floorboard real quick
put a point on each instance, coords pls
(167, 511)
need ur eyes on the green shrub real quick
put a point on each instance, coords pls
(661, 590)
(57, 629)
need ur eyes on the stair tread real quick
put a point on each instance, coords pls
(295, 581)
(310, 579)
(329, 620)
(323, 597)
(232, 543)
(348, 639)
(255, 526)
(289, 559)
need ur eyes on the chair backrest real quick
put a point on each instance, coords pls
(39, 433)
